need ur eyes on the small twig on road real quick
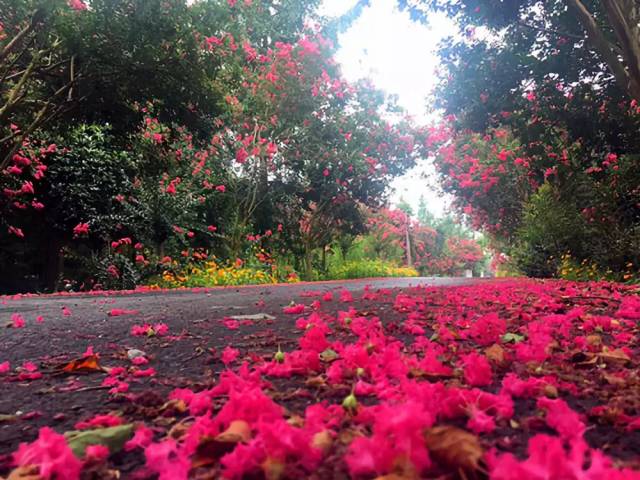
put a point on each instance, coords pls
(592, 297)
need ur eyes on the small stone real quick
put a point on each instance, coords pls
(135, 353)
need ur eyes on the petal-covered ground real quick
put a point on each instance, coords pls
(511, 379)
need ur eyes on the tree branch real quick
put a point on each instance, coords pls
(40, 118)
(14, 41)
(605, 48)
(550, 31)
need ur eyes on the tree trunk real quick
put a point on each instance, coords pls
(324, 258)
(159, 248)
(308, 263)
(53, 265)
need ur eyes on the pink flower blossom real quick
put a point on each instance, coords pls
(15, 231)
(51, 454)
(81, 229)
(77, 5)
(345, 296)
(116, 312)
(241, 155)
(17, 321)
(231, 324)
(99, 421)
(5, 368)
(562, 418)
(97, 452)
(477, 370)
(142, 438)
(294, 309)
(480, 422)
(229, 354)
(167, 460)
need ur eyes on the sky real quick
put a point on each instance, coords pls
(398, 55)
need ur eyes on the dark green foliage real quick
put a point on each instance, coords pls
(88, 180)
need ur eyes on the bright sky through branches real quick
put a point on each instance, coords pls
(399, 56)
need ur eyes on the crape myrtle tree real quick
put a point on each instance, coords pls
(540, 113)
(185, 128)
(436, 249)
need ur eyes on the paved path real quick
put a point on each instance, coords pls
(197, 300)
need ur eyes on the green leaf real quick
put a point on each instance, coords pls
(112, 437)
(328, 355)
(512, 337)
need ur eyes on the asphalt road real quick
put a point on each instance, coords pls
(197, 301)
(71, 322)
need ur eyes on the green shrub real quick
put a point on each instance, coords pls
(367, 268)
(548, 228)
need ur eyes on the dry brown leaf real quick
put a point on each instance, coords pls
(495, 353)
(611, 414)
(454, 447)
(165, 422)
(175, 405)
(346, 435)
(295, 421)
(613, 379)
(594, 339)
(317, 382)
(273, 469)
(238, 431)
(616, 356)
(211, 449)
(28, 472)
(550, 391)
(419, 373)
(85, 364)
(8, 418)
(322, 441)
(585, 361)
(179, 430)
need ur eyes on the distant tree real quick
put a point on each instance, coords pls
(405, 207)
(425, 217)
